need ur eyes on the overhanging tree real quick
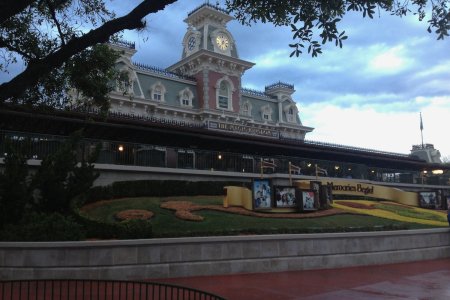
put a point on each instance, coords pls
(47, 35)
(59, 52)
(314, 23)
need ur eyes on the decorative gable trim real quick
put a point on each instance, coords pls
(266, 113)
(246, 108)
(185, 96)
(291, 112)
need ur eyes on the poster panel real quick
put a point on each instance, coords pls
(285, 196)
(307, 202)
(315, 186)
(261, 194)
(427, 199)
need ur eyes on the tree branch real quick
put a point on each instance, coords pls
(55, 20)
(39, 68)
(10, 8)
(8, 46)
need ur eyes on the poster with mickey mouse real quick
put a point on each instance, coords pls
(285, 197)
(262, 194)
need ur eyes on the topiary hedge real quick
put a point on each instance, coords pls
(158, 188)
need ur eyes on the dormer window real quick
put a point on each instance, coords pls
(266, 113)
(186, 97)
(157, 92)
(246, 109)
(185, 100)
(290, 115)
(291, 112)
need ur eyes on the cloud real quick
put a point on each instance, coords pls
(367, 94)
(391, 60)
(367, 127)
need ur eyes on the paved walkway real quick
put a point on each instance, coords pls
(418, 280)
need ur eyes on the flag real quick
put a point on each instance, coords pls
(421, 123)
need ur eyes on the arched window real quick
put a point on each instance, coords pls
(246, 108)
(266, 113)
(224, 95)
(290, 112)
(185, 96)
(185, 100)
(290, 115)
(157, 92)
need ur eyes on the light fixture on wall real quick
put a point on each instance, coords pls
(120, 148)
(437, 172)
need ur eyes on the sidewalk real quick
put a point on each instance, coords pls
(416, 280)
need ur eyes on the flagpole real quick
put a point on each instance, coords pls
(421, 128)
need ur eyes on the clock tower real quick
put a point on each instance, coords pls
(210, 55)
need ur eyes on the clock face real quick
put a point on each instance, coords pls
(222, 42)
(191, 43)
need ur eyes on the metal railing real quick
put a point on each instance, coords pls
(38, 146)
(73, 289)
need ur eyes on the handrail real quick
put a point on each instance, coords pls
(56, 289)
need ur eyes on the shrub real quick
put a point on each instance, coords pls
(62, 176)
(14, 191)
(44, 227)
(135, 229)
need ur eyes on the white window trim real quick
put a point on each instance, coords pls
(266, 109)
(163, 91)
(294, 113)
(131, 79)
(249, 111)
(230, 93)
(190, 95)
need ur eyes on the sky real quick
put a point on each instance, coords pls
(368, 94)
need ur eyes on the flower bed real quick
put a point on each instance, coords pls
(357, 205)
(394, 212)
(134, 214)
(184, 209)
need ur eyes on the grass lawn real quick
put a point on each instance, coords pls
(165, 224)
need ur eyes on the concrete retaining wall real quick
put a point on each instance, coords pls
(161, 258)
